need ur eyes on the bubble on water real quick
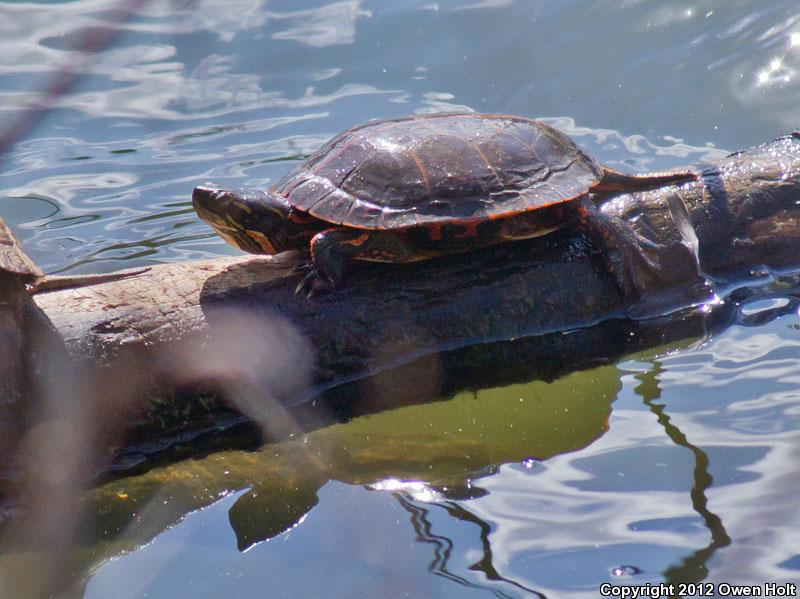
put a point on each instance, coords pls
(760, 305)
(624, 571)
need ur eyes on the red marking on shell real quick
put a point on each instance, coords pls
(358, 241)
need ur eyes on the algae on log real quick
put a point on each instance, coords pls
(238, 321)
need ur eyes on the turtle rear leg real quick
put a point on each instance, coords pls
(332, 249)
(652, 275)
(626, 254)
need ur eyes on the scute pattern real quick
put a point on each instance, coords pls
(439, 168)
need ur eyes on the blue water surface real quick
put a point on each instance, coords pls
(691, 471)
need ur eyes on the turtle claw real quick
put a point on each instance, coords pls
(306, 283)
(314, 283)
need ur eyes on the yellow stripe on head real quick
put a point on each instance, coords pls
(261, 240)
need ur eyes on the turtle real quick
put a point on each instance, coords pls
(19, 273)
(414, 188)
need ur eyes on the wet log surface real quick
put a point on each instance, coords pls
(424, 329)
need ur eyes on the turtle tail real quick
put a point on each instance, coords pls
(616, 181)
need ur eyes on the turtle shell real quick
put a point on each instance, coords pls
(12, 259)
(435, 169)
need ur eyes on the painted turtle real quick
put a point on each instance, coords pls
(418, 187)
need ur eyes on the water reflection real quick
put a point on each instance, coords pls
(692, 568)
(327, 25)
(443, 547)
(448, 448)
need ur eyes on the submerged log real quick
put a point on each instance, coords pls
(415, 331)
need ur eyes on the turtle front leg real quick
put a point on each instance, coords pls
(332, 249)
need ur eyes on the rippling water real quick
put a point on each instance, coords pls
(691, 473)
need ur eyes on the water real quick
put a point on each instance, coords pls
(678, 465)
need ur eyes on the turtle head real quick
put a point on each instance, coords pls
(254, 221)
